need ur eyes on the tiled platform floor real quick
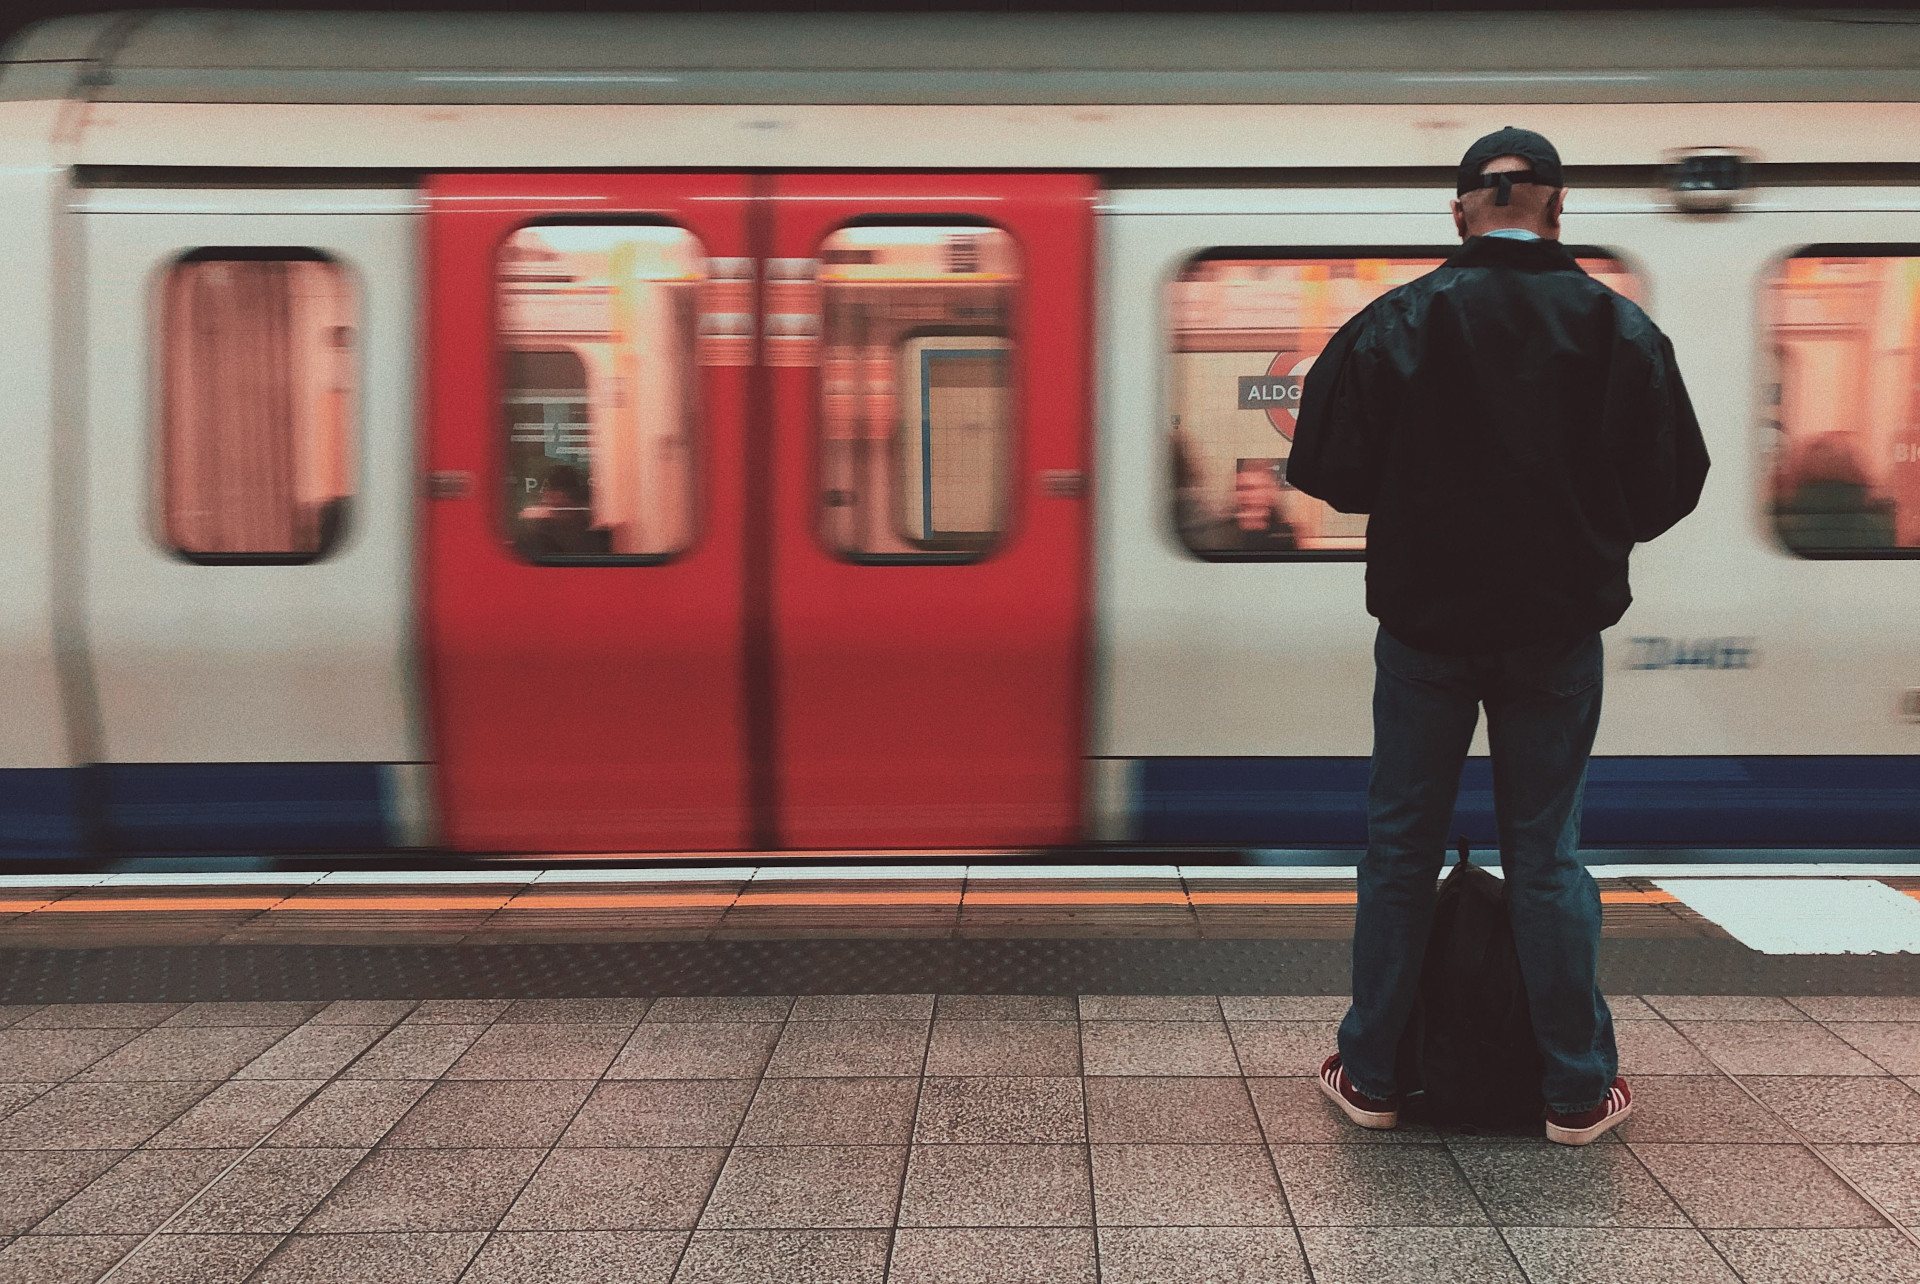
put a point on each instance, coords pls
(842, 1139)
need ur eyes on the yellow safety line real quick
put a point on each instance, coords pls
(1275, 898)
(623, 900)
(335, 904)
(1068, 896)
(826, 899)
(1653, 896)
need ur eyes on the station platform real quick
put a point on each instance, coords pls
(912, 1074)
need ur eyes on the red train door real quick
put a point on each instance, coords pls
(589, 346)
(926, 345)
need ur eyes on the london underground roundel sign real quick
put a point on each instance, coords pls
(1277, 391)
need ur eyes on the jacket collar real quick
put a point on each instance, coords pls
(1504, 251)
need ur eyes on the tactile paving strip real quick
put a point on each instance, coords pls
(195, 973)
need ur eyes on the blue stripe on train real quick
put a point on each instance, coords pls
(1761, 802)
(224, 807)
(242, 806)
(1830, 801)
(40, 813)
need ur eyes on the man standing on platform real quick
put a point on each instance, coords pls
(1514, 428)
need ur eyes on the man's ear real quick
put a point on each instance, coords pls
(1460, 219)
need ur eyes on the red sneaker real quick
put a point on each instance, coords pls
(1578, 1130)
(1368, 1112)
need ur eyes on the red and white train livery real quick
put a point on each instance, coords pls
(569, 434)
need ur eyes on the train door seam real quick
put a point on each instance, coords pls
(757, 479)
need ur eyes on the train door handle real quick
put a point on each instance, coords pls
(449, 483)
(1063, 483)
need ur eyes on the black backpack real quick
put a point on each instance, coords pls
(1468, 1052)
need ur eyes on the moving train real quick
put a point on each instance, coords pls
(546, 434)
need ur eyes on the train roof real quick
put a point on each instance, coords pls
(969, 58)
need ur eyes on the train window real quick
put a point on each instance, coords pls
(258, 393)
(916, 426)
(1843, 322)
(1246, 326)
(600, 390)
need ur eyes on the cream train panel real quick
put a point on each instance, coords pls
(599, 136)
(250, 663)
(1202, 659)
(33, 731)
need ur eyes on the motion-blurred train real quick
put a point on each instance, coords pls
(545, 434)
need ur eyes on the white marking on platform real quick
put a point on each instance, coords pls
(1085, 872)
(238, 878)
(795, 873)
(372, 877)
(675, 874)
(1805, 916)
(1268, 873)
(1784, 870)
(52, 880)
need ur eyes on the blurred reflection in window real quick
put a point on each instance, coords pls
(259, 389)
(1845, 430)
(598, 323)
(1246, 329)
(916, 437)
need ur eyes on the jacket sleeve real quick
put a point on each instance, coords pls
(1339, 444)
(1663, 458)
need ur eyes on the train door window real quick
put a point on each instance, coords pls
(600, 390)
(1843, 324)
(258, 396)
(1246, 326)
(916, 426)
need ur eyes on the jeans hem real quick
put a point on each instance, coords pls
(1368, 1093)
(1365, 1091)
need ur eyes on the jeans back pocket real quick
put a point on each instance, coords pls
(1561, 669)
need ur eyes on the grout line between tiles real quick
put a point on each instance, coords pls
(1499, 1231)
(128, 1153)
(1788, 1000)
(551, 1146)
(714, 932)
(177, 1213)
(1086, 1144)
(1266, 1143)
(753, 1099)
(913, 1132)
(1906, 1231)
(195, 1198)
(1828, 1027)
(361, 1162)
(1691, 1221)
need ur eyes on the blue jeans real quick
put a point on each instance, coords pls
(1543, 706)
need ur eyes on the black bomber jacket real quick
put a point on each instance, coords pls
(1513, 427)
